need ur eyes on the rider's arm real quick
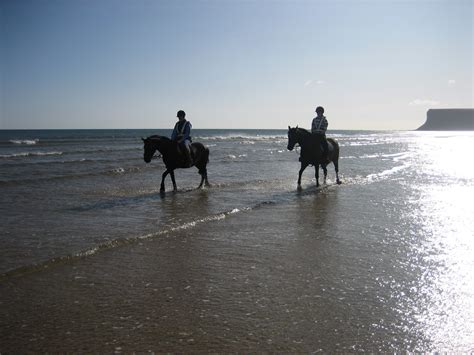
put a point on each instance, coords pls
(314, 126)
(175, 133)
(187, 131)
(324, 125)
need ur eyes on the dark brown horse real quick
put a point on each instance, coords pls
(174, 159)
(311, 152)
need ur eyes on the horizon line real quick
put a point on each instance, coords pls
(194, 129)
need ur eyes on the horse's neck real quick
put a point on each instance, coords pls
(304, 138)
(165, 146)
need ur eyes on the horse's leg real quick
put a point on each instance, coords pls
(201, 164)
(173, 180)
(206, 182)
(202, 179)
(316, 174)
(203, 173)
(202, 170)
(325, 170)
(336, 167)
(303, 166)
(162, 187)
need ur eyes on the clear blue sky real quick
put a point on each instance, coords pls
(232, 64)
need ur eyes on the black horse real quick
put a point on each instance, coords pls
(311, 152)
(174, 159)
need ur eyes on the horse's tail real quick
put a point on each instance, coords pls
(335, 144)
(206, 155)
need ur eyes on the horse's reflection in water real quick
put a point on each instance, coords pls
(174, 159)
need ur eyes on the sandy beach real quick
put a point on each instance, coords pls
(294, 285)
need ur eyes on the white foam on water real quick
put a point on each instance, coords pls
(396, 156)
(244, 138)
(29, 154)
(382, 175)
(119, 170)
(24, 141)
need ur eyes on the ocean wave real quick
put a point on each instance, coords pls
(384, 174)
(54, 163)
(24, 141)
(105, 150)
(245, 139)
(360, 144)
(28, 154)
(117, 243)
(395, 156)
(113, 171)
(74, 151)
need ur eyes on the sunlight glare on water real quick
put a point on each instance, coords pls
(447, 155)
(445, 212)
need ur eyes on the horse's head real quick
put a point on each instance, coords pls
(293, 137)
(150, 145)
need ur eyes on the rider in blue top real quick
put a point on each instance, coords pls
(182, 135)
(319, 127)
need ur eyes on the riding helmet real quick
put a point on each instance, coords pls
(181, 113)
(319, 109)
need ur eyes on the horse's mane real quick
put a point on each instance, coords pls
(302, 130)
(156, 136)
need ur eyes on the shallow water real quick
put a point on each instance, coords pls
(382, 262)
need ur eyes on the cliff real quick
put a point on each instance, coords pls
(453, 119)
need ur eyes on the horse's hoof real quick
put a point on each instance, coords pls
(299, 188)
(339, 182)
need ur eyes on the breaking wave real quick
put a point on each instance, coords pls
(29, 154)
(24, 141)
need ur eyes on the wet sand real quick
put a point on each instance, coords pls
(381, 263)
(283, 277)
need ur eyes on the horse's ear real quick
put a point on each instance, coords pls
(143, 139)
(289, 127)
(296, 126)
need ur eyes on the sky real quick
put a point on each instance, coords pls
(232, 64)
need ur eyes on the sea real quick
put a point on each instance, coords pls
(94, 258)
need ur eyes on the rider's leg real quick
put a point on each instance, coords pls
(187, 153)
(324, 144)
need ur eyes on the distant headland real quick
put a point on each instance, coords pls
(449, 119)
